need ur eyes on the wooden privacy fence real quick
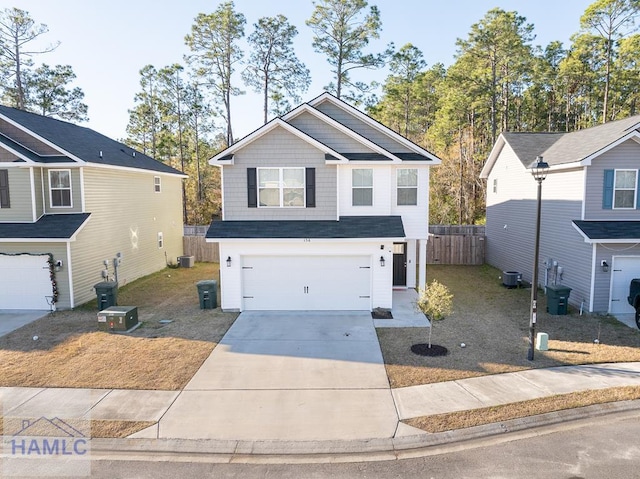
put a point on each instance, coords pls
(449, 244)
(202, 251)
(456, 244)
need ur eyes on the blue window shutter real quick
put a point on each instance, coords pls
(252, 188)
(310, 184)
(607, 190)
(638, 190)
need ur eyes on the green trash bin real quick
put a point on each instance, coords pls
(208, 293)
(107, 293)
(557, 299)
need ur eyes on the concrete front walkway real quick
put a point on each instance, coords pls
(299, 376)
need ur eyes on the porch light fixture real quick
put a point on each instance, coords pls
(228, 261)
(382, 261)
(539, 170)
(605, 266)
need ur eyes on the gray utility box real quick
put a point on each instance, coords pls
(208, 293)
(107, 293)
(186, 261)
(118, 318)
(557, 299)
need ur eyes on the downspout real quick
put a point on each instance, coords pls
(593, 276)
(70, 276)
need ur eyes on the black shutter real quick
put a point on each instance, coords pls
(252, 188)
(310, 184)
(4, 189)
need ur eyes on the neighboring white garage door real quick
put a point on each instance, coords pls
(306, 282)
(624, 269)
(25, 282)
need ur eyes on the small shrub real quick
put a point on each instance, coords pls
(435, 301)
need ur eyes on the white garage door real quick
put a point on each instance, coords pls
(624, 269)
(25, 282)
(306, 282)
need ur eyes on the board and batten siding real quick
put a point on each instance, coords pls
(624, 156)
(59, 252)
(327, 134)
(231, 277)
(278, 149)
(362, 128)
(511, 224)
(126, 217)
(21, 210)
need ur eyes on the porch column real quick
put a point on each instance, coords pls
(422, 262)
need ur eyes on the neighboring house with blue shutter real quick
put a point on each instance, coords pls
(590, 228)
(71, 199)
(323, 208)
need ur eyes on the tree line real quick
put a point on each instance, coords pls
(182, 113)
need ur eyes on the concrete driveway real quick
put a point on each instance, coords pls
(289, 376)
(12, 319)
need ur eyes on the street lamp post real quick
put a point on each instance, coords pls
(539, 169)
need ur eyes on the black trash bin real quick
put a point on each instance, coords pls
(107, 293)
(208, 293)
(557, 299)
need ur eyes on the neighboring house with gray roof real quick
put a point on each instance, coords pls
(590, 227)
(71, 199)
(322, 208)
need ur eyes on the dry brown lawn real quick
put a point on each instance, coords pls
(489, 415)
(493, 322)
(71, 352)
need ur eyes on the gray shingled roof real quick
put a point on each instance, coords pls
(83, 143)
(560, 148)
(346, 227)
(610, 230)
(47, 227)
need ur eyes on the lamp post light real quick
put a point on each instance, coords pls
(539, 169)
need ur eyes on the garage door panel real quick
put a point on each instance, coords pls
(25, 282)
(624, 269)
(306, 282)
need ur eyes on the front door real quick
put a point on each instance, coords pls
(399, 264)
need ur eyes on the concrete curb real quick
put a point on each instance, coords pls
(217, 451)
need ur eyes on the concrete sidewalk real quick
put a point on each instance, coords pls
(410, 402)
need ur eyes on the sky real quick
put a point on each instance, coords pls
(108, 42)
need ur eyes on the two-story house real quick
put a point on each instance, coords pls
(590, 227)
(323, 208)
(75, 204)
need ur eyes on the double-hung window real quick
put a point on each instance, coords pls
(624, 189)
(407, 186)
(60, 188)
(281, 187)
(362, 187)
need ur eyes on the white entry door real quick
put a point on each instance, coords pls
(306, 282)
(623, 270)
(25, 282)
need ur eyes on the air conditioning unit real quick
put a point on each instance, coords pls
(185, 261)
(511, 279)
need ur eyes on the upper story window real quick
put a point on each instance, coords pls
(60, 188)
(281, 187)
(495, 185)
(407, 182)
(624, 189)
(157, 184)
(5, 200)
(362, 187)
